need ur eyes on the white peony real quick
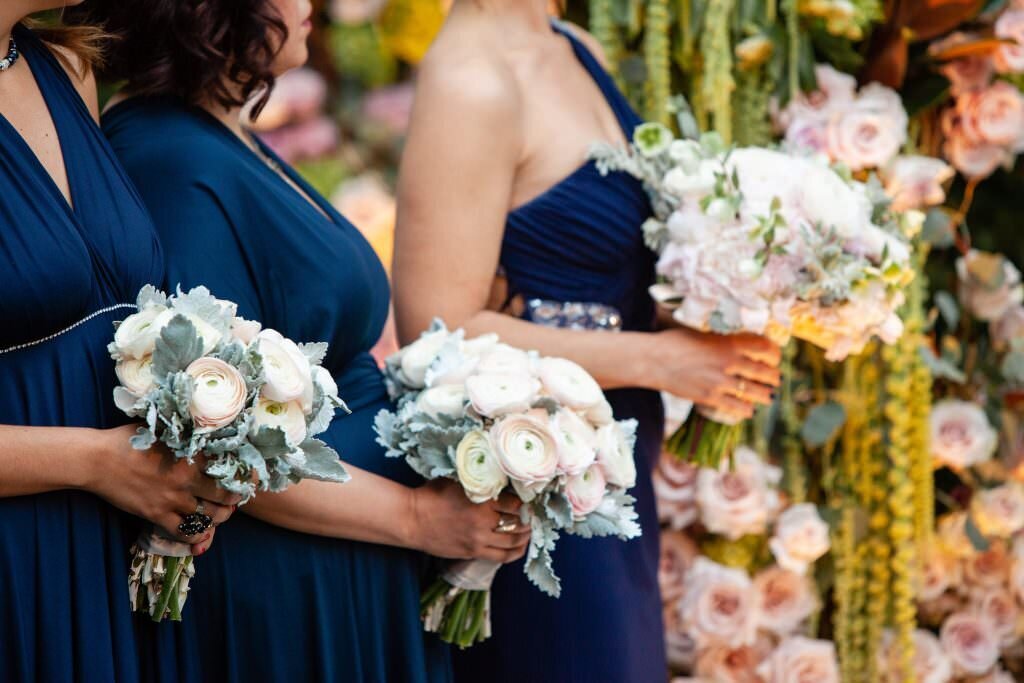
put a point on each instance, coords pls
(445, 399)
(477, 467)
(575, 440)
(801, 537)
(498, 394)
(287, 416)
(569, 384)
(218, 392)
(286, 370)
(615, 453)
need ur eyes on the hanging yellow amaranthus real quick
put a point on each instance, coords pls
(718, 84)
(920, 408)
(602, 25)
(656, 58)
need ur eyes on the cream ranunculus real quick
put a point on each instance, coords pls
(719, 605)
(785, 600)
(601, 414)
(801, 537)
(569, 384)
(503, 359)
(801, 660)
(445, 399)
(287, 416)
(999, 511)
(494, 395)
(286, 370)
(136, 375)
(961, 435)
(477, 467)
(585, 491)
(740, 500)
(136, 336)
(971, 642)
(218, 392)
(416, 358)
(575, 440)
(245, 330)
(525, 448)
(615, 453)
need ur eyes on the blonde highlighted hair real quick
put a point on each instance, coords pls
(78, 48)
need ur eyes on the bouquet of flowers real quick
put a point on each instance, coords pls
(495, 418)
(209, 383)
(767, 242)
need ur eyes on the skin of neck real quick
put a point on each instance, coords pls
(532, 15)
(7, 22)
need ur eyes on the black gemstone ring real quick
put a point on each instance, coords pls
(195, 523)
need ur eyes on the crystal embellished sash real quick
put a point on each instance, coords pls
(573, 315)
(69, 328)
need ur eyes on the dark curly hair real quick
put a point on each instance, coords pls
(199, 50)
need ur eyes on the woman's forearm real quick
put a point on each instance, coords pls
(41, 459)
(368, 508)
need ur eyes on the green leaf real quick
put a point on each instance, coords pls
(177, 347)
(938, 228)
(1012, 367)
(978, 540)
(924, 92)
(315, 352)
(822, 423)
(948, 308)
(271, 442)
(322, 463)
(942, 368)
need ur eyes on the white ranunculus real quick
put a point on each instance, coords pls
(286, 370)
(971, 642)
(325, 380)
(719, 605)
(137, 334)
(479, 346)
(493, 395)
(585, 491)
(446, 399)
(686, 153)
(525, 449)
(417, 357)
(740, 500)
(503, 359)
(575, 441)
(477, 467)
(287, 416)
(218, 392)
(569, 384)
(999, 511)
(136, 375)
(600, 414)
(961, 435)
(615, 453)
(801, 537)
(785, 600)
(690, 185)
(801, 660)
(245, 330)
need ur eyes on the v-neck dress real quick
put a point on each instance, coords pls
(581, 241)
(269, 604)
(65, 275)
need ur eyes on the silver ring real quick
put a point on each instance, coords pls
(507, 525)
(196, 522)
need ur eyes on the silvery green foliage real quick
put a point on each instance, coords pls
(241, 458)
(429, 443)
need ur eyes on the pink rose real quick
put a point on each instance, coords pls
(988, 570)
(987, 295)
(680, 647)
(974, 160)
(967, 74)
(675, 491)
(218, 392)
(961, 435)
(1008, 327)
(678, 551)
(915, 182)
(999, 511)
(785, 600)
(931, 664)
(808, 133)
(869, 133)
(993, 116)
(836, 91)
(1010, 26)
(971, 642)
(740, 500)
(801, 537)
(585, 491)
(939, 572)
(1001, 609)
(801, 660)
(719, 605)
(724, 664)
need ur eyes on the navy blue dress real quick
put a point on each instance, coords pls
(268, 603)
(581, 241)
(64, 612)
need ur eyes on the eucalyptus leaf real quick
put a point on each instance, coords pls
(322, 463)
(942, 368)
(178, 345)
(271, 442)
(822, 423)
(948, 308)
(978, 540)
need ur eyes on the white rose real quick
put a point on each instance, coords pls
(801, 660)
(286, 370)
(801, 537)
(961, 435)
(496, 395)
(218, 392)
(615, 453)
(446, 399)
(504, 360)
(245, 330)
(417, 357)
(575, 441)
(785, 600)
(569, 384)
(971, 642)
(525, 448)
(585, 491)
(999, 511)
(719, 605)
(136, 336)
(478, 469)
(740, 500)
(136, 375)
(287, 416)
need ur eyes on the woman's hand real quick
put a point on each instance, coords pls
(729, 373)
(156, 486)
(447, 524)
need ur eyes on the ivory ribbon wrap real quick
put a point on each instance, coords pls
(465, 575)
(149, 568)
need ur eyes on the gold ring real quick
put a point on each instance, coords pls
(742, 387)
(507, 525)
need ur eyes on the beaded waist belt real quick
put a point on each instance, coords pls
(69, 328)
(573, 315)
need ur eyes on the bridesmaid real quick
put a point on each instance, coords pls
(495, 168)
(316, 583)
(75, 247)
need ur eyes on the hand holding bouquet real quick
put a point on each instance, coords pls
(496, 418)
(210, 384)
(762, 241)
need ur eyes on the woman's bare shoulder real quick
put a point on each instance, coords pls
(588, 40)
(82, 77)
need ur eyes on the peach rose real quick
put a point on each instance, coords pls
(680, 647)
(952, 535)
(724, 664)
(971, 642)
(1001, 608)
(678, 551)
(785, 600)
(987, 300)
(719, 605)
(930, 664)
(967, 74)
(1010, 26)
(801, 660)
(939, 572)
(740, 500)
(961, 435)
(993, 116)
(801, 537)
(675, 491)
(915, 182)
(999, 511)
(988, 570)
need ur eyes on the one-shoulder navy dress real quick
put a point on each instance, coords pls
(269, 604)
(581, 241)
(66, 274)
